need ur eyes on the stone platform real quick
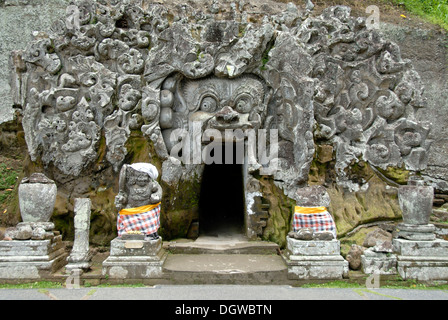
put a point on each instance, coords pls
(134, 259)
(422, 260)
(315, 260)
(224, 259)
(31, 259)
(227, 244)
(225, 269)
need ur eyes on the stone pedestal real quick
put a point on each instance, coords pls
(134, 259)
(420, 256)
(422, 260)
(309, 260)
(31, 259)
(424, 232)
(380, 259)
(80, 257)
(379, 262)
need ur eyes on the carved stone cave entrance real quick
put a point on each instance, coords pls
(323, 81)
(222, 203)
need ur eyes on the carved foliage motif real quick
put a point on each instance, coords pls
(127, 68)
(367, 95)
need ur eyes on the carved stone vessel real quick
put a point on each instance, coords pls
(415, 201)
(37, 197)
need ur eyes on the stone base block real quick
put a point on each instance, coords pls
(135, 248)
(79, 262)
(379, 262)
(423, 268)
(436, 248)
(315, 260)
(135, 259)
(32, 259)
(313, 247)
(422, 260)
(416, 232)
(316, 267)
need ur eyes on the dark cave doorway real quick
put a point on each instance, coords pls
(222, 203)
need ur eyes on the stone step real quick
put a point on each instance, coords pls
(225, 269)
(220, 245)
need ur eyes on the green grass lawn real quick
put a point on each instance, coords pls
(8, 178)
(435, 11)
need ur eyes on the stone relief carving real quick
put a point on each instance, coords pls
(214, 103)
(366, 94)
(129, 68)
(64, 122)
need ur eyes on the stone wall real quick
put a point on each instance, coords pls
(428, 51)
(18, 20)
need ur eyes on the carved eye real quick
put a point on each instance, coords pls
(244, 105)
(132, 180)
(142, 181)
(209, 104)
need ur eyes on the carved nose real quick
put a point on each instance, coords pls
(227, 114)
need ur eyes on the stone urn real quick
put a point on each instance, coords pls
(416, 201)
(37, 197)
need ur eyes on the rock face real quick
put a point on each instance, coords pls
(119, 83)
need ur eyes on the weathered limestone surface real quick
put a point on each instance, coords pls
(314, 248)
(80, 255)
(32, 259)
(135, 259)
(315, 260)
(424, 47)
(422, 260)
(414, 253)
(374, 261)
(116, 87)
(436, 248)
(18, 21)
(37, 196)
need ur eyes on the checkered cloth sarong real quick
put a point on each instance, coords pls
(146, 222)
(319, 219)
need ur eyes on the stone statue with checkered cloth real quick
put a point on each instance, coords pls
(139, 200)
(311, 220)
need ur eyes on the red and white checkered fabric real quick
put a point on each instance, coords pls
(319, 221)
(147, 222)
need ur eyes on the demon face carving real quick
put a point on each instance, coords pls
(216, 103)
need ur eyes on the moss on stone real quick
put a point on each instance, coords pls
(12, 215)
(397, 175)
(139, 148)
(180, 207)
(350, 209)
(65, 225)
(357, 238)
(280, 212)
(101, 150)
(104, 215)
(376, 201)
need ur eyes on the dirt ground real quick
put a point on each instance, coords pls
(389, 13)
